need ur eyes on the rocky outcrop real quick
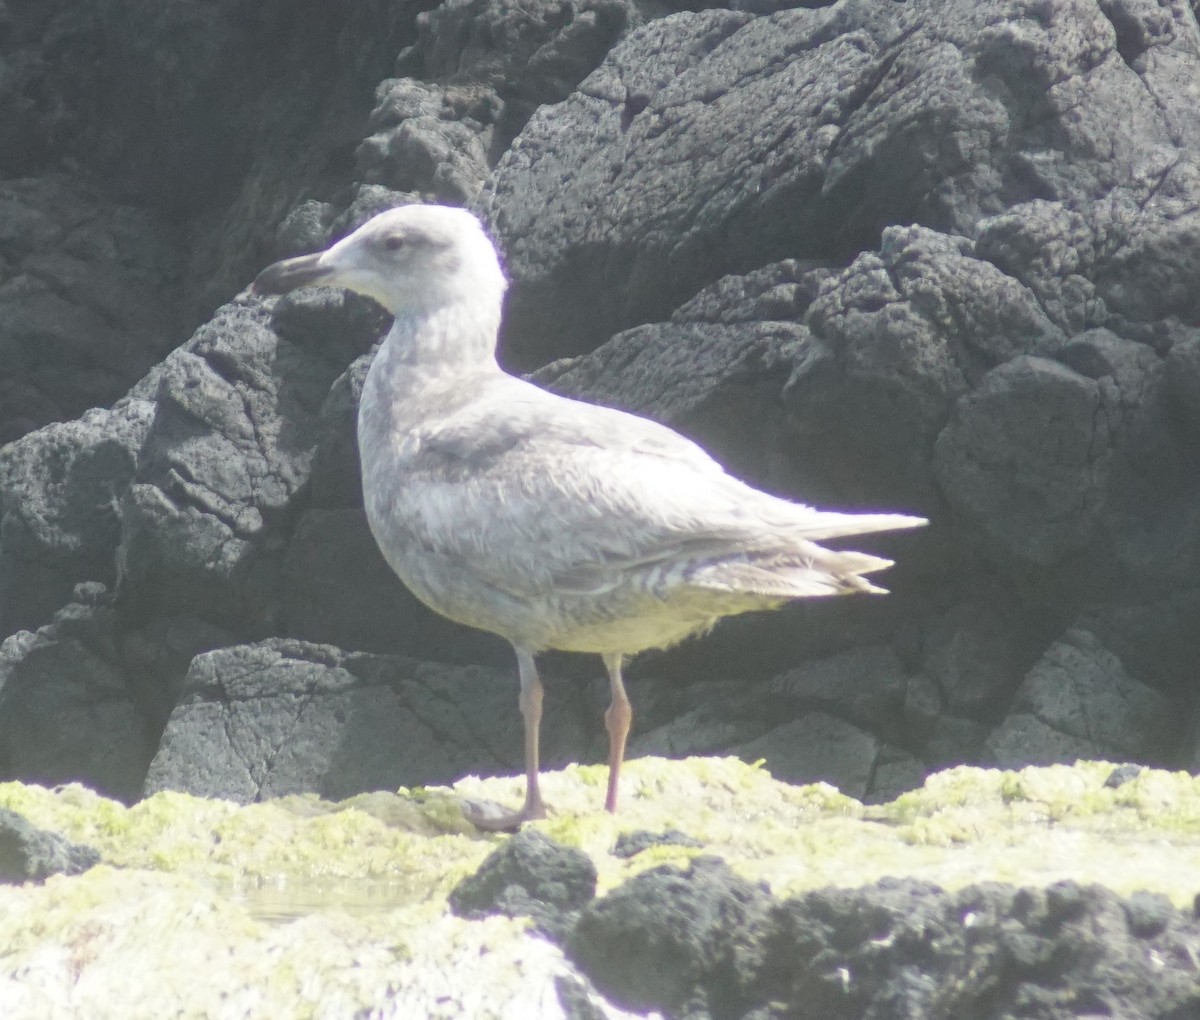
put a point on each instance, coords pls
(931, 256)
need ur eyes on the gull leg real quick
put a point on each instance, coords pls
(484, 816)
(617, 721)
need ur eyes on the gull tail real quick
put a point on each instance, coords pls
(818, 525)
(821, 572)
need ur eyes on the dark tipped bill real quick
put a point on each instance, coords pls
(290, 274)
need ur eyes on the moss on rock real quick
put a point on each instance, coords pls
(300, 904)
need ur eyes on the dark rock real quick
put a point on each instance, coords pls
(867, 685)
(896, 772)
(60, 493)
(872, 256)
(954, 740)
(630, 844)
(980, 649)
(523, 54)
(530, 875)
(1123, 774)
(702, 943)
(219, 116)
(903, 334)
(70, 710)
(1183, 382)
(904, 948)
(281, 717)
(817, 748)
(824, 185)
(88, 299)
(427, 143)
(30, 854)
(1078, 702)
(674, 940)
(579, 1001)
(231, 443)
(1051, 249)
(1036, 502)
(701, 719)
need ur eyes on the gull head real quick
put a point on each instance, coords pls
(413, 259)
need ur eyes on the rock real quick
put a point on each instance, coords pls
(1123, 774)
(817, 747)
(30, 854)
(954, 740)
(426, 143)
(531, 55)
(871, 255)
(903, 333)
(283, 717)
(356, 893)
(1052, 250)
(1034, 501)
(673, 940)
(231, 443)
(530, 875)
(669, 222)
(1183, 382)
(89, 294)
(60, 493)
(896, 772)
(1078, 702)
(70, 710)
(1100, 950)
(867, 685)
(696, 721)
(1153, 639)
(979, 650)
(630, 844)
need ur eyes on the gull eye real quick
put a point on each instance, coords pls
(394, 242)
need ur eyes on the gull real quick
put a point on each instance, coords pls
(554, 523)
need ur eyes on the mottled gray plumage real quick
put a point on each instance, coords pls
(554, 523)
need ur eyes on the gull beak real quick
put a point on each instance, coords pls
(291, 274)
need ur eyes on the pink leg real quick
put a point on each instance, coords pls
(617, 720)
(531, 709)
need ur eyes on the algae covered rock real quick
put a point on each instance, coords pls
(780, 896)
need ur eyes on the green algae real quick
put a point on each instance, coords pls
(355, 891)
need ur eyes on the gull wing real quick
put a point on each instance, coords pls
(535, 493)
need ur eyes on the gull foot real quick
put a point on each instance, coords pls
(488, 816)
